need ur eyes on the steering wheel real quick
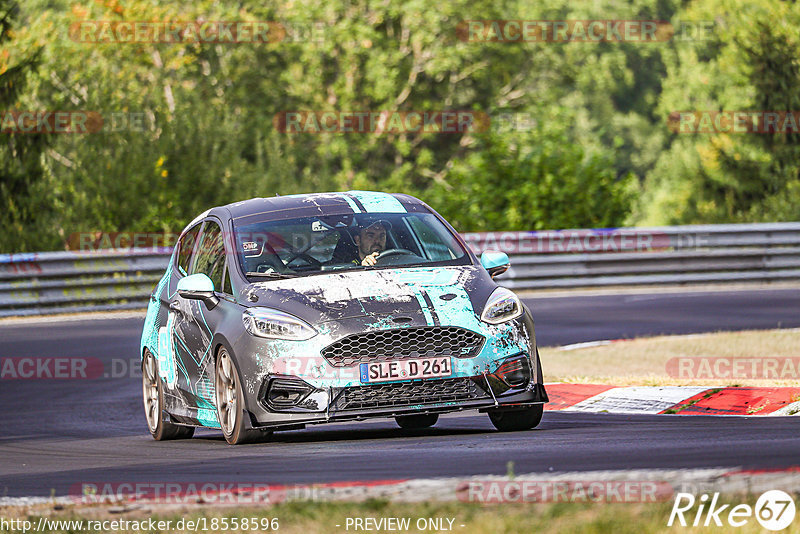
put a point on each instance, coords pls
(392, 252)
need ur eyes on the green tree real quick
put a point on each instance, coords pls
(208, 109)
(534, 180)
(750, 62)
(23, 202)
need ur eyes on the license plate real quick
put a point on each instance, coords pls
(405, 369)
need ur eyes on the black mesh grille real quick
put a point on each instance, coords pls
(399, 394)
(399, 343)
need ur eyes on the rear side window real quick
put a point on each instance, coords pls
(210, 254)
(185, 247)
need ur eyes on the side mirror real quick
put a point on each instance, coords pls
(495, 262)
(198, 287)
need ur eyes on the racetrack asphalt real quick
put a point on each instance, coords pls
(58, 434)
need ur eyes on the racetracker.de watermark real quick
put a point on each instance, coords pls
(56, 122)
(68, 368)
(74, 122)
(742, 368)
(314, 367)
(381, 122)
(378, 122)
(582, 31)
(123, 243)
(220, 492)
(209, 32)
(734, 122)
(582, 241)
(569, 491)
(541, 242)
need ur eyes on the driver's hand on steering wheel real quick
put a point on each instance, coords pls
(370, 260)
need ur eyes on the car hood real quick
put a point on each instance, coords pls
(394, 297)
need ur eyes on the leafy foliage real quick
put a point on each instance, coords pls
(750, 63)
(189, 125)
(21, 193)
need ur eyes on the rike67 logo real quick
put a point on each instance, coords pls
(774, 510)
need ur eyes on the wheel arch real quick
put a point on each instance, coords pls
(220, 341)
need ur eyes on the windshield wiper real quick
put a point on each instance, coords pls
(272, 274)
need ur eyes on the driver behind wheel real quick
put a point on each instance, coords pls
(371, 241)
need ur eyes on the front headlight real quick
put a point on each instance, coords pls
(503, 306)
(275, 324)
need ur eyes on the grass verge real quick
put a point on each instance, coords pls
(643, 361)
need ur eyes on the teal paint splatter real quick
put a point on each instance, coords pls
(378, 202)
(208, 418)
(352, 204)
(151, 325)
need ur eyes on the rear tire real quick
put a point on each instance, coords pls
(417, 421)
(153, 396)
(231, 411)
(514, 420)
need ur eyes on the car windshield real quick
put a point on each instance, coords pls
(311, 245)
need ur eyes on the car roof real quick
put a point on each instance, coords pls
(314, 204)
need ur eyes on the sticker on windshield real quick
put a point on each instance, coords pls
(251, 248)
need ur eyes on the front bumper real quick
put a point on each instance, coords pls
(335, 393)
(391, 399)
(286, 421)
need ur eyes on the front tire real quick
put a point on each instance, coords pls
(153, 396)
(230, 402)
(417, 421)
(514, 420)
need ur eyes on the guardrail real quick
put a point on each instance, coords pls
(56, 282)
(641, 256)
